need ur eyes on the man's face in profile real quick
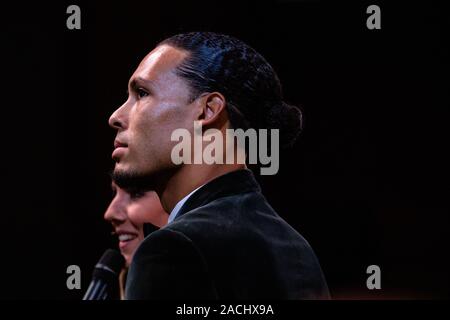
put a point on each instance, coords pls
(157, 104)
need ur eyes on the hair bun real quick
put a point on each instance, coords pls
(288, 119)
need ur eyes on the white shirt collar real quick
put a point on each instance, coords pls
(178, 206)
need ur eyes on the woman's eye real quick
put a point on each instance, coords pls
(136, 195)
(141, 93)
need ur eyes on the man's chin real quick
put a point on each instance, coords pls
(132, 181)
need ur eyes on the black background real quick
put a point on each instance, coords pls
(367, 183)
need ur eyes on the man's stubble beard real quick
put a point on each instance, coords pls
(135, 182)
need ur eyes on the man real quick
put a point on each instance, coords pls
(223, 240)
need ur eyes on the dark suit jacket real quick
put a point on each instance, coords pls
(226, 243)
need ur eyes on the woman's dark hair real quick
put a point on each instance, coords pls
(253, 92)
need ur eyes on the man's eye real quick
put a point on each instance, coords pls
(141, 93)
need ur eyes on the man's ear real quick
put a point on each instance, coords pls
(212, 109)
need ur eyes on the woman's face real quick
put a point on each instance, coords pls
(127, 214)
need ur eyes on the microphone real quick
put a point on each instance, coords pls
(104, 281)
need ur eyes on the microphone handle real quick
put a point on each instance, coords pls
(97, 290)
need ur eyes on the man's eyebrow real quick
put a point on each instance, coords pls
(135, 82)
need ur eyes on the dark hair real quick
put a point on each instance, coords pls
(253, 92)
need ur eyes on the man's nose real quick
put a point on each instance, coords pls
(119, 118)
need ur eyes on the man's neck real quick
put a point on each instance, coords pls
(190, 177)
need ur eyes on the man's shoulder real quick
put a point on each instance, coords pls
(224, 216)
(246, 221)
(222, 220)
(164, 239)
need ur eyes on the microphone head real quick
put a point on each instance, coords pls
(111, 262)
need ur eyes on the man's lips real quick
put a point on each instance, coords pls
(119, 144)
(118, 152)
(119, 149)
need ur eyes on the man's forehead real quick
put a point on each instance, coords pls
(159, 62)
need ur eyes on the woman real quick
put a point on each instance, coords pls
(127, 214)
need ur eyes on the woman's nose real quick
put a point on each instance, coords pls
(116, 212)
